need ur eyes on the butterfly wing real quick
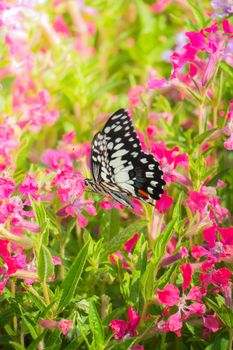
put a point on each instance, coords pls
(135, 172)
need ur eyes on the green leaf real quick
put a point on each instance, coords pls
(198, 14)
(45, 264)
(162, 240)
(177, 213)
(227, 68)
(147, 282)
(199, 139)
(119, 240)
(34, 344)
(224, 313)
(220, 343)
(30, 325)
(220, 175)
(95, 326)
(39, 212)
(17, 346)
(53, 341)
(72, 278)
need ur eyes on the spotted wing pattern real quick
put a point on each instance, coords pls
(120, 167)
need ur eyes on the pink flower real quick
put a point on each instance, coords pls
(123, 328)
(187, 273)
(105, 205)
(174, 323)
(7, 187)
(29, 187)
(227, 27)
(169, 160)
(69, 137)
(65, 326)
(157, 84)
(82, 220)
(60, 26)
(11, 263)
(134, 95)
(228, 144)
(50, 324)
(56, 260)
(160, 5)
(57, 159)
(164, 203)
(212, 323)
(35, 112)
(129, 245)
(70, 185)
(169, 295)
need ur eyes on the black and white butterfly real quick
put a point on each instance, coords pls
(119, 167)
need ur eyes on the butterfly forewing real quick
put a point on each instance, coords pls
(119, 165)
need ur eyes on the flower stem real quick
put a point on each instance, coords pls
(15, 322)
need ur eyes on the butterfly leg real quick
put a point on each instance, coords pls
(121, 199)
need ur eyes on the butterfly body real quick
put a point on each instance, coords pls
(119, 167)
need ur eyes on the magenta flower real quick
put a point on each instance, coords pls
(212, 323)
(65, 326)
(228, 130)
(7, 187)
(164, 203)
(9, 141)
(10, 263)
(154, 84)
(215, 250)
(128, 328)
(170, 296)
(35, 110)
(60, 26)
(134, 95)
(169, 160)
(57, 159)
(129, 245)
(29, 187)
(70, 185)
(206, 202)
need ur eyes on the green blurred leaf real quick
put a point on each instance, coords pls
(162, 240)
(70, 283)
(96, 326)
(199, 139)
(45, 264)
(147, 282)
(119, 240)
(220, 175)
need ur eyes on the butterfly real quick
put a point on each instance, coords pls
(119, 167)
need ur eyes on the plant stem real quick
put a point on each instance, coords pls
(230, 346)
(46, 292)
(62, 254)
(15, 323)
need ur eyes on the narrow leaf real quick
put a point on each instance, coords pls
(72, 278)
(119, 240)
(45, 264)
(147, 282)
(95, 325)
